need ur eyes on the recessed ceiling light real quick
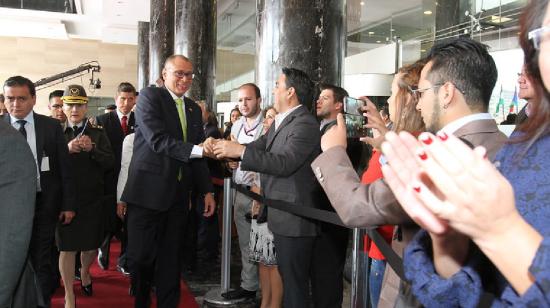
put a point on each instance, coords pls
(392, 29)
(378, 41)
(422, 50)
(371, 32)
(362, 2)
(428, 12)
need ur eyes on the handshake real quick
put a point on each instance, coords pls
(222, 149)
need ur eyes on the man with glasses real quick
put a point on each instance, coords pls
(166, 163)
(55, 198)
(453, 97)
(55, 105)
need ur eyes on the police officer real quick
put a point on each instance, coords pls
(91, 156)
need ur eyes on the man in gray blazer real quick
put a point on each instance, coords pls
(454, 91)
(18, 192)
(282, 156)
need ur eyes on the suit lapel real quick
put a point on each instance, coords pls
(476, 127)
(173, 115)
(289, 118)
(115, 121)
(39, 130)
(131, 123)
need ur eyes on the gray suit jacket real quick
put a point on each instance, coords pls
(283, 157)
(18, 192)
(360, 205)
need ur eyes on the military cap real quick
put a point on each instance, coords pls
(74, 94)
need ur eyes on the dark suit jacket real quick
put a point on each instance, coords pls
(112, 128)
(283, 157)
(18, 192)
(160, 152)
(57, 184)
(373, 205)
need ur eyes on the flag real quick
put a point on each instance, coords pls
(514, 103)
(500, 100)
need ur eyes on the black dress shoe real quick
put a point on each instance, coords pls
(87, 290)
(239, 293)
(123, 270)
(103, 260)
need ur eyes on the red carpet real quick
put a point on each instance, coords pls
(111, 289)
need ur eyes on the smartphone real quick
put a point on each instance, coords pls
(355, 121)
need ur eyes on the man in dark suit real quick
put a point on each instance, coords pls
(54, 194)
(18, 192)
(165, 165)
(116, 125)
(282, 156)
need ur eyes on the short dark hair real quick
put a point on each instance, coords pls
(301, 83)
(2, 98)
(338, 92)
(468, 65)
(20, 81)
(125, 87)
(254, 86)
(110, 107)
(56, 93)
(385, 110)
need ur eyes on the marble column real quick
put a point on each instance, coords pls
(447, 16)
(143, 55)
(161, 36)
(195, 38)
(309, 35)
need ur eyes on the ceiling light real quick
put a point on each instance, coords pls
(378, 42)
(362, 2)
(499, 19)
(428, 12)
(371, 32)
(422, 50)
(392, 29)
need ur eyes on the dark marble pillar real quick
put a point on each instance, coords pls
(309, 35)
(196, 39)
(143, 55)
(161, 36)
(447, 17)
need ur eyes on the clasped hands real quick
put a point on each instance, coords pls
(79, 144)
(220, 148)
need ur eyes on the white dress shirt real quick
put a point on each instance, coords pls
(281, 116)
(127, 150)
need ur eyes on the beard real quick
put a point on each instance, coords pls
(434, 126)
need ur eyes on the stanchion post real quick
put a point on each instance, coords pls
(355, 268)
(214, 298)
(226, 235)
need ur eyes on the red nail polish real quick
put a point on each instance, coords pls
(442, 136)
(423, 155)
(426, 140)
(416, 188)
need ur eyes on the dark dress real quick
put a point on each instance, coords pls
(85, 232)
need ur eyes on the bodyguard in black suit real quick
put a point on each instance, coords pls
(117, 125)
(55, 198)
(283, 156)
(165, 163)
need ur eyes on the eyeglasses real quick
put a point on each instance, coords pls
(536, 35)
(183, 74)
(420, 91)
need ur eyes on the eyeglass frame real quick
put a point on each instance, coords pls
(535, 35)
(183, 74)
(437, 85)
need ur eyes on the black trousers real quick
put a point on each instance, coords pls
(154, 252)
(42, 244)
(327, 270)
(294, 255)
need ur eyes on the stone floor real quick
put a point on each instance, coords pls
(207, 276)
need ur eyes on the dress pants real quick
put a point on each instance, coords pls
(329, 259)
(42, 243)
(294, 256)
(154, 252)
(249, 272)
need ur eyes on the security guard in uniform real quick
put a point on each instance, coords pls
(91, 156)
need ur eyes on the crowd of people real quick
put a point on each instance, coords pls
(463, 204)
